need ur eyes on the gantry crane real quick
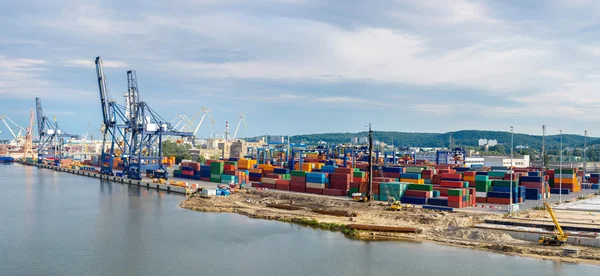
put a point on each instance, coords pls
(136, 129)
(115, 124)
(206, 113)
(242, 118)
(46, 132)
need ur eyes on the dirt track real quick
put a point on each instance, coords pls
(442, 227)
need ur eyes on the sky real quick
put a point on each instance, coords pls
(309, 66)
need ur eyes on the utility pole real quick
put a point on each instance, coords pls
(370, 184)
(560, 165)
(543, 156)
(511, 168)
(584, 154)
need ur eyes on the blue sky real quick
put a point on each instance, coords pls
(310, 66)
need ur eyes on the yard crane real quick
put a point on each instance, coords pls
(242, 118)
(556, 239)
(115, 124)
(46, 132)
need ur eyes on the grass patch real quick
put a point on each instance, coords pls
(321, 225)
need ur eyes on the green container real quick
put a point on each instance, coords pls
(420, 187)
(564, 171)
(298, 173)
(496, 173)
(286, 176)
(376, 197)
(177, 172)
(504, 183)
(455, 192)
(482, 188)
(216, 167)
(414, 169)
(231, 163)
(356, 170)
(360, 174)
(483, 183)
(215, 176)
(352, 191)
(382, 197)
(481, 178)
(466, 184)
(227, 177)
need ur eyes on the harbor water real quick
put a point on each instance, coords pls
(56, 223)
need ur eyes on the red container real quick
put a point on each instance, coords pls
(344, 170)
(355, 184)
(282, 182)
(335, 192)
(314, 191)
(451, 184)
(455, 198)
(229, 172)
(297, 183)
(453, 176)
(282, 187)
(443, 191)
(188, 173)
(469, 173)
(298, 178)
(481, 199)
(454, 204)
(494, 200)
(423, 194)
(207, 179)
(272, 175)
(268, 186)
(300, 189)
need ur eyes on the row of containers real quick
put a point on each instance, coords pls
(439, 185)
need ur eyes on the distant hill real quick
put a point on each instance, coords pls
(459, 138)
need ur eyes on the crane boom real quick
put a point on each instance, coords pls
(242, 118)
(551, 212)
(104, 97)
(7, 126)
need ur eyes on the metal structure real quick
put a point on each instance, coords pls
(18, 138)
(28, 146)
(242, 118)
(50, 136)
(136, 129)
(115, 124)
(206, 113)
(561, 168)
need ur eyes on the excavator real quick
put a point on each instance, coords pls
(556, 239)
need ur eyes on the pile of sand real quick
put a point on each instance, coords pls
(480, 235)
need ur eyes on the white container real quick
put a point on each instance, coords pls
(209, 192)
(480, 194)
(315, 185)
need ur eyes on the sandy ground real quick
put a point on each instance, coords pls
(451, 228)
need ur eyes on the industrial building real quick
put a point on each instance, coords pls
(504, 161)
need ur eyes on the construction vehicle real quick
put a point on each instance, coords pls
(160, 174)
(556, 239)
(359, 197)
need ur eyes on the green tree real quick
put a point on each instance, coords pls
(180, 151)
(498, 148)
(201, 159)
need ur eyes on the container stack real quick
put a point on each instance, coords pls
(205, 173)
(417, 193)
(427, 176)
(255, 175)
(569, 179)
(315, 183)
(414, 178)
(216, 170)
(339, 182)
(298, 181)
(392, 172)
(482, 186)
(500, 192)
(246, 164)
(469, 177)
(595, 178)
(534, 186)
(392, 189)
(457, 198)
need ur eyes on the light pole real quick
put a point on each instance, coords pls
(512, 135)
(560, 166)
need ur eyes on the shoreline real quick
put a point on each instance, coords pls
(249, 204)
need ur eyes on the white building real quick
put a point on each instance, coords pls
(276, 139)
(504, 161)
(474, 161)
(427, 156)
(363, 140)
(354, 140)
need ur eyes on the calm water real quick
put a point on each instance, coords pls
(59, 224)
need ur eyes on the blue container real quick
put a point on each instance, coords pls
(393, 169)
(558, 191)
(498, 194)
(413, 200)
(185, 168)
(438, 201)
(436, 193)
(462, 169)
(438, 208)
(410, 176)
(596, 186)
(281, 171)
(328, 169)
(205, 169)
(501, 189)
(481, 173)
(252, 174)
(530, 179)
(536, 173)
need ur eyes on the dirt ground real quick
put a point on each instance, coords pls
(451, 228)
